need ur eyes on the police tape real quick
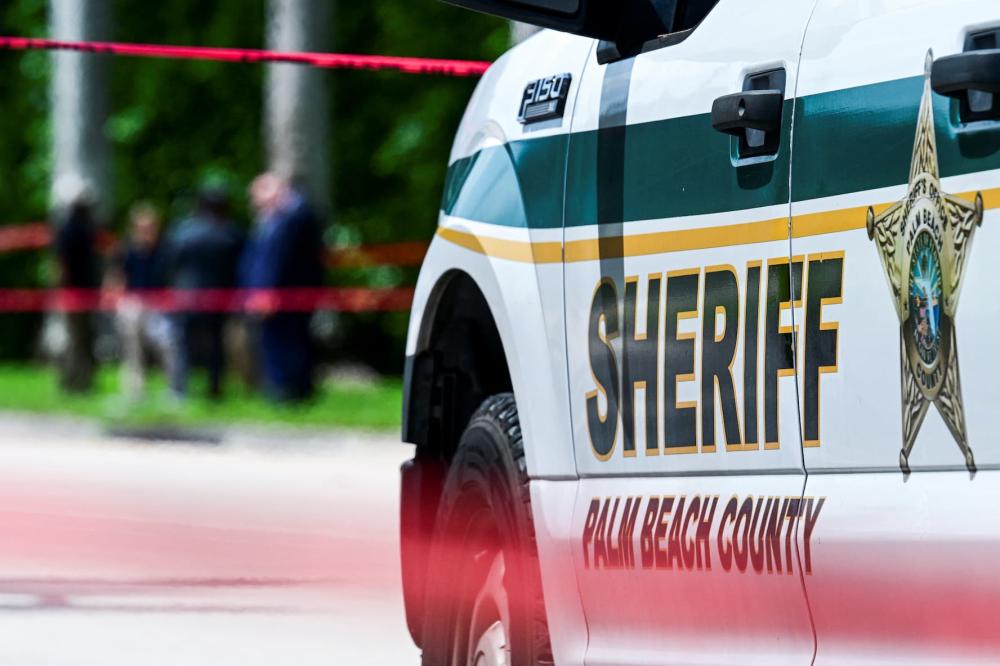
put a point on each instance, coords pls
(401, 253)
(20, 237)
(250, 301)
(38, 236)
(409, 65)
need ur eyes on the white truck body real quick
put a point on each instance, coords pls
(718, 360)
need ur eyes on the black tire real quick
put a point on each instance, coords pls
(484, 555)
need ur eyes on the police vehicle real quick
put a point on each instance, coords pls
(703, 364)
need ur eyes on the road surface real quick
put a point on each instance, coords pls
(264, 549)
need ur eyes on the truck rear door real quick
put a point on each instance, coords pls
(896, 210)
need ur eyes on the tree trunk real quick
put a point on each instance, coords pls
(297, 101)
(79, 97)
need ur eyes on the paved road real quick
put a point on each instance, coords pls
(265, 549)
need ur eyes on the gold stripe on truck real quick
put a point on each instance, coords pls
(679, 240)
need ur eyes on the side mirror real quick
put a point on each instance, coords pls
(629, 23)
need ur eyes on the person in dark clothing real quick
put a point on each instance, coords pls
(74, 245)
(142, 262)
(287, 253)
(244, 341)
(138, 272)
(204, 255)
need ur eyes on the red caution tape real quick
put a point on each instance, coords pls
(326, 60)
(33, 236)
(38, 236)
(253, 301)
(405, 253)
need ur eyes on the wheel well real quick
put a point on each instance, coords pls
(460, 363)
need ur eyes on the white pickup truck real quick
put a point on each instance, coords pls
(683, 369)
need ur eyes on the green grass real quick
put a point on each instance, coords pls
(347, 404)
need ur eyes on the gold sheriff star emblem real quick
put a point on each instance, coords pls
(924, 241)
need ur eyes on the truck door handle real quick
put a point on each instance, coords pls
(956, 75)
(748, 110)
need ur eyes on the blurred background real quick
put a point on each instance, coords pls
(205, 274)
(368, 149)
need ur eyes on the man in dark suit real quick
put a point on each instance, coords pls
(287, 254)
(204, 255)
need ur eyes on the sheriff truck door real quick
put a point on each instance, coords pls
(680, 298)
(896, 186)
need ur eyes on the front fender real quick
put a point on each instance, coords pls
(516, 291)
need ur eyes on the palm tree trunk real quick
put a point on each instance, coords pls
(297, 123)
(79, 96)
(79, 153)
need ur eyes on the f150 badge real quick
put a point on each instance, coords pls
(924, 242)
(544, 99)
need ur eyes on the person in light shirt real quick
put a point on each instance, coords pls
(139, 274)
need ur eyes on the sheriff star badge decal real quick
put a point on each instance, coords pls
(924, 241)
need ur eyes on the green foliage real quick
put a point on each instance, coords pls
(174, 124)
(392, 136)
(25, 161)
(24, 79)
(394, 131)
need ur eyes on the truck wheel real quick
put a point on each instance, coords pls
(484, 592)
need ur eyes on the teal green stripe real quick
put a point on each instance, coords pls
(855, 139)
(862, 138)
(518, 184)
(674, 168)
(846, 141)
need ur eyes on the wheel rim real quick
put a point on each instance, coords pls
(489, 618)
(492, 649)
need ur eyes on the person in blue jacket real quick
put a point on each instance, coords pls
(286, 255)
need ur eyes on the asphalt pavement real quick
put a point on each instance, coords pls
(269, 547)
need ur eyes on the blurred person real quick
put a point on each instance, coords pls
(203, 255)
(287, 252)
(75, 248)
(139, 271)
(243, 340)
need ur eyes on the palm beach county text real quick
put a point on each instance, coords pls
(681, 533)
